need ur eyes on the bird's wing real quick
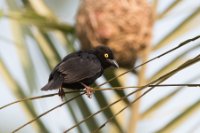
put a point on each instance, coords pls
(78, 68)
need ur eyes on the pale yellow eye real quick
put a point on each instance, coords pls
(106, 55)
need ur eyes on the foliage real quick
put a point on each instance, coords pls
(35, 21)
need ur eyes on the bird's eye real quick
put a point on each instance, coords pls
(106, 55)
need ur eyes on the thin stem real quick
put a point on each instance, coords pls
(176, 85)
(39, 116)
(159, 80)
(159, 56)
(135, 116)
(34, 98)
(99, 89)
(180, 45)
(102, 109)
(167, 75)
(122, 110)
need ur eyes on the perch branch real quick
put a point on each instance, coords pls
(171, 50)
(39, 116)
(100, 89)
(157, 57)
(161, 79)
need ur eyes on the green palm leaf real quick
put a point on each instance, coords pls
(38, 22)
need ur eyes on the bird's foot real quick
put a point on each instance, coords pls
(61, 93)
(89, 90)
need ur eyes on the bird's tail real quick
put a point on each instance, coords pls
(52, 84)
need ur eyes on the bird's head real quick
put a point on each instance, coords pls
(106, 57)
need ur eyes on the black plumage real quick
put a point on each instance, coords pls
(80, 69)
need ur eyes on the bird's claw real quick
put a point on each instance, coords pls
(61, 93)
(89, 91)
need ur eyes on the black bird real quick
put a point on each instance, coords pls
(80, 69)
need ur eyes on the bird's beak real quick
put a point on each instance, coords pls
(113, 63)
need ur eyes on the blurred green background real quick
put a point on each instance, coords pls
(35, 36)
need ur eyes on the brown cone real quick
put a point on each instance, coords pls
(123, 25)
